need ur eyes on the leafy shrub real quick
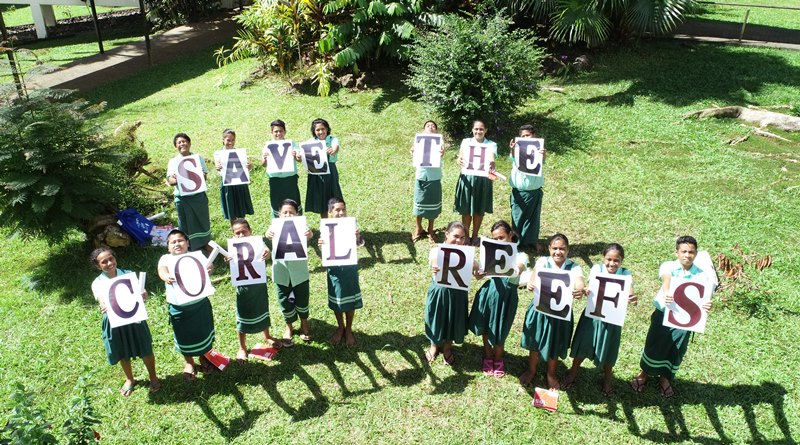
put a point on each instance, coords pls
(469, 68)
(81, 416)
(165, 14)
(26, 423)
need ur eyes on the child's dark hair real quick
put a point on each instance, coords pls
(558, 236)
(228, 131)
(455, 225)
(177, 232)
(319, 121)
(617, 247)
(240, 222)
(280, 123)
(96, 253)
(474, 121)
(505, 226)
(333, 201)
(431, 121)
(527, 127)
(290, 202)
(180, 135)
(685, 239)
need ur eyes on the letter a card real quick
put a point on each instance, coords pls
(339, 246)
(289, 242)
(234, 167)
(608, 297)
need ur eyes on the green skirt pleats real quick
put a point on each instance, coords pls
(321, 188)
(473, 195)
(597, 341)
(235, 201)
(493, 310)
(344, 292)
(526, 210)
(283, 188)
(193, 219)
(193, 327)
(428, 198)
(252, 308)
(550, 336)
(126, 342)
(445, 314)
(664, 348)
(293, 301)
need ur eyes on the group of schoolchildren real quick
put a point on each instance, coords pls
(447, 314)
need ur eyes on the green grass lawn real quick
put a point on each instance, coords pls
(21, 14)
(623, 167)
(781, 18)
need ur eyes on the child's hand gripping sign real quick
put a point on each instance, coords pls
(427, 150)
(454, 265)
(552, 293)
(247, 261)
(192, 281)
(123, 300)
(289, 242)
(478, 159)
(281, 156)
(686, 311)
(498, 258)
(608, 297)
(315, 157)
(234, 167)
(529, 155)
(189, 173)
(339, 245)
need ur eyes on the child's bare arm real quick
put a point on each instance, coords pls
(577, 292)
(531, 281)
(665, 280)
(632, 297)
(163, 273)
(333, 149)
(309, 233)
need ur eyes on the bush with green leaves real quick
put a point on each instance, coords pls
(57, 171)
(81, 416)
(165, 14)
(25, 424)
(477, 67)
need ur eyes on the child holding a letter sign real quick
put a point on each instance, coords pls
(526, 194)
(234, 199)
(321, 188)
(122, 343)
(474, 193)
(596, 339)
(192, 206)
(545, 336)
(665, 346)
(427, 193)
(282, 185)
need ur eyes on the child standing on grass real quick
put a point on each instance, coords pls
(445, 308)
(495, 306)
(321, 188)
(595, 339)
(193, 218)
(291, 283)
(122, 343)
(193, 323)
(427, 193)
(344, 292)
(282, 185)
(234, 199)
(252, 302)
(526, 197)
(544, 336)
(665, 347)
(474, 193)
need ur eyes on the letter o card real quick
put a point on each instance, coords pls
(427, 150)
(477, 158)
(686, 311)
(123, 298)
(280, 156)
(189, 171)
(315, 157)
(552, 294)
(289, 242)
(234, 167)
(192, 281)
(498, 258)
(247, 265)
(455, 266)
(528, 155)
(339, 246)
(608, 297)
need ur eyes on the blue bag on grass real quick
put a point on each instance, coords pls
(136, 225)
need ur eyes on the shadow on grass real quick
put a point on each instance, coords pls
(681, 74)
(374, 244)
(559, 135)
(86, 37)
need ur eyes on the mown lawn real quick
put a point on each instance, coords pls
(623, 167)
(735, 10)
(21, 14)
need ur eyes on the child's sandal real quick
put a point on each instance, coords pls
(488, 367)
(500, 368)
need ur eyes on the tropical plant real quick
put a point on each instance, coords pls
(25, 423)
(81, 416)
(164, 14)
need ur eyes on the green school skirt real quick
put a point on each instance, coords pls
(293, 301)
(235, 201)
(252, 308)
(445, 314)
(664, 348)
(284, 188)
(494, 309)
(321, 188)
(193, 219)
(126, 342)
(526, 210)
(550, 336)
(428, 198)
(597, 341)
(473, 195)
(193, 327)
(344, 292)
